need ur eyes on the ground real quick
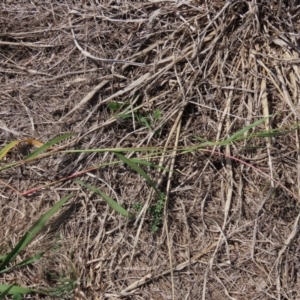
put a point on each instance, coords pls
(207, 93)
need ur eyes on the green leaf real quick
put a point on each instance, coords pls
(135, 167)
(114, 106)
(111, 202)
(157, 114)
(24, 262)
(33, 231)
(5, 292)
(148, 164)
(145, 122)
(48, 145)
(245, 129)
(124, 116)
(2, 257)
(5, 149)
(14, 290)
(270, 133)
(17, 297)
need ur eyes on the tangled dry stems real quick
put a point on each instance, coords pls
(210, 68)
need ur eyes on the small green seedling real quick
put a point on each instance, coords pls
(156, 212)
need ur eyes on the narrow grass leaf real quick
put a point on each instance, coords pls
(33, 231)
(267, 134)
(135, 167)
(238, 135)
(148, 164)
(24, 262)
(157, 114)
(12, 144)
(111, 202)
(145, 122)
(241, 132)
(5, 292)
(123, 116)
(48, 145)
(14, 289)
(114, 106)
(9, 146)
(2, 257)
(17, 297)
(8, 166)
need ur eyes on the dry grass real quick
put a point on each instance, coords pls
(210, 68)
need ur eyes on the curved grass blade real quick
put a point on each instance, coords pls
(239, 133)
(48, 145)
(111, 202)
(24, 262)
(9, 146)
(12, 144)
(135, 167)
(33, 231)
(236, 136)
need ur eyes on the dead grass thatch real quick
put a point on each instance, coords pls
(209, 68)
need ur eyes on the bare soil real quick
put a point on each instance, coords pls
(193, 70)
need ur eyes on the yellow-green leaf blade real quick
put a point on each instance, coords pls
(8, 147)
(48, 145)
(239, 133)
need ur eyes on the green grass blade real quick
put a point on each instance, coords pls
(145, 122)
(115, 106)
(129, 149)
(2, 257)
(8, 166)
(5, 149)
(48, 145)
(135, 167)
(241, 132)
(33, 231)
(5, 292)
(14, 290)
(148, 164)
(24, 262)
(123, 116)
(144, 162)
(111, 202)
(266, 134)
(17, 297)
